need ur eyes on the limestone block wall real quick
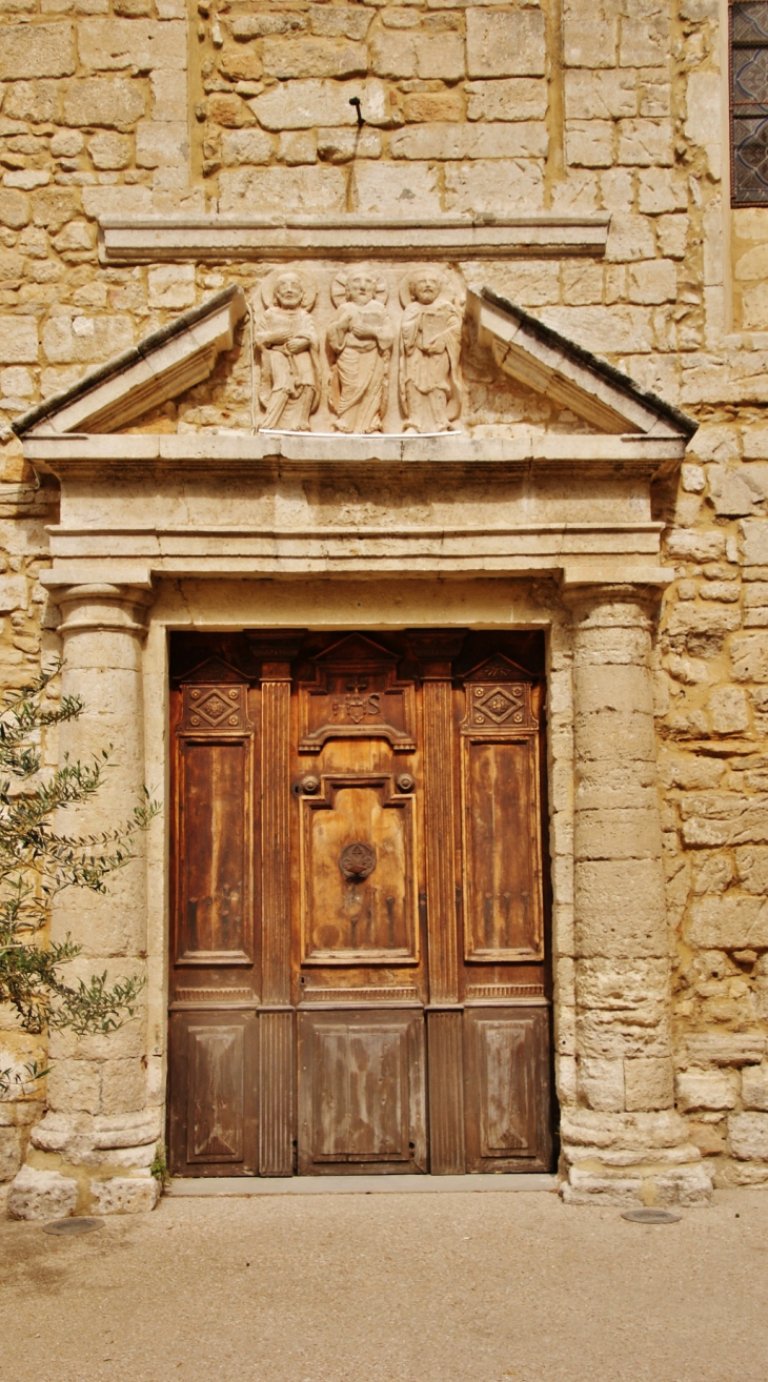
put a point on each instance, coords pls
(174, 108)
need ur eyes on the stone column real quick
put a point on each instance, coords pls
(623, 1139)
(93, 1148)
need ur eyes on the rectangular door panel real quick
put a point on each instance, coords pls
(215, 908)
(361, 1092)
(503, 914)
(507, 1089)
(213, 1124)
(360, 902)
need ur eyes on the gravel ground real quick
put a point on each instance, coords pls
(395, 1287)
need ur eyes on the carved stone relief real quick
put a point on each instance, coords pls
(287, 341)
(359, 343)
(430, 343)
(351, 386)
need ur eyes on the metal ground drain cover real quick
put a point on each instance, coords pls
(651, 1216)
(69, 1226)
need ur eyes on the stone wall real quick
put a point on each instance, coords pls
(569, 107)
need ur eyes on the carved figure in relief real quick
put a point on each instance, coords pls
(287, 340)
(359, 341)
(430, 343)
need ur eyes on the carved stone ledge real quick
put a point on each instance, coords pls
(310, 237)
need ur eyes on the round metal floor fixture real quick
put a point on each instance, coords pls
(651, 1216)
(67, 1227)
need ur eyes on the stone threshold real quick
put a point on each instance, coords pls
(239, 1186)
(316, 237)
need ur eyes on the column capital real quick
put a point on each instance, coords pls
(612, 604)
(102, 607)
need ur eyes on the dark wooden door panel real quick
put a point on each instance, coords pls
(358, 960)
(213, 1122)
(361, 1092)
(215, 907)
(508, 1118)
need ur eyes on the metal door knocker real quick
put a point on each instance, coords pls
(357, 861)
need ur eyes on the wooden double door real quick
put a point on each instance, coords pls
(359, 976)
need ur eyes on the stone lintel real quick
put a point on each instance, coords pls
(520, 448)
(351, 237)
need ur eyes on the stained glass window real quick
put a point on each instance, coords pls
(749, 102)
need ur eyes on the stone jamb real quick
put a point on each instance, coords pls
(94, 1145)
(623, 1136)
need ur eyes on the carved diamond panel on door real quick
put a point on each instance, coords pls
(361, 1092)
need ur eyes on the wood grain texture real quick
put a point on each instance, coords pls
(276, 1093)
(446, 1093)
(275, 838)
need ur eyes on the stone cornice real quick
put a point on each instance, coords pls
(351, 237)
(228, 453)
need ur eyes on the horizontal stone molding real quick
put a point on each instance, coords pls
(521, 448)
(317, 237)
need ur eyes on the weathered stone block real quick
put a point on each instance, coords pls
(171, 286)
(627, 898)
(276, 189)
(494, 185)
(730, 923)
(648, 1083)
(748, 1135)
(246, 146)
(14, 208)
(299, 146)
(505, 43)
(125, 1194)
(303, 104)
(601, 1084)
(752, 868)
(705, 1089)
(749, 656)
(73, 1086)
(18, 340)
(112, 44)
(110, 150)
(395, 189)
(37, 50)
(589, 143)
(54, 207)
(10, 1152)
(728, 710)
(599, 95)
(79, 338)
(458, 141)
(107, 101)
(41, 1195)
(754, 538)
(510, 98)
(313, 57)
(617, 834)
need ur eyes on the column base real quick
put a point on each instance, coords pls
(47, 1194)
(632, 1160)
(78, 1164)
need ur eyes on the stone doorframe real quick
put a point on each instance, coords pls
(620, 1135)
(525, 529)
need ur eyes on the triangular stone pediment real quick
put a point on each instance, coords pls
(166, 364)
